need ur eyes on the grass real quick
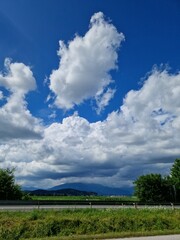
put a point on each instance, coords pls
(100, 198)
(87, 223)
(109, 235)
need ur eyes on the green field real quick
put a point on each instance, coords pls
(100, 198)
(87, 223)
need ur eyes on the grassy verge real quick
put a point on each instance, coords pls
(87, 223)
(109, 235)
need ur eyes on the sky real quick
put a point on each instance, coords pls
(89, 90)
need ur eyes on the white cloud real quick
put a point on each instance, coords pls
(156, 104)
(53, 115)
(1, 95)
(84, 66)
(15, 119)
(103, 99)
(17, 78)
(143, 136)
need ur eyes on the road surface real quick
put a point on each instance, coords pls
(48, 207)
(167, 237)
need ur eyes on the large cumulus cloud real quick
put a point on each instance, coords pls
(16, 120)
(84, 66)
(143, 136)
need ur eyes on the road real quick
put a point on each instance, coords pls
(31, 207)
(167, 237)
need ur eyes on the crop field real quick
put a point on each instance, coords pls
(87, 223)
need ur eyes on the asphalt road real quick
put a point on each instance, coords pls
(31, 207)
(167, 237)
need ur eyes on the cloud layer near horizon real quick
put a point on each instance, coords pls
(141, 137)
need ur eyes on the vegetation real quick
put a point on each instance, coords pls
(8, 189)
(152, 188)
(61, 192)
(89, 198)
(156, 188)
(175, 179)
(76, 223)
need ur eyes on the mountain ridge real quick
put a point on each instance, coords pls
(96, 188)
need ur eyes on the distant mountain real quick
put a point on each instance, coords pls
(97, 188)
(61, 192)
(26, 189)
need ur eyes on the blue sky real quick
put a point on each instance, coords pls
(89, 89)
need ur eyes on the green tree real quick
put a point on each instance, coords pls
(8, 189)
(152, 188)
(175, 179)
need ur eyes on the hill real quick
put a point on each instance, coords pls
(96, 188)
